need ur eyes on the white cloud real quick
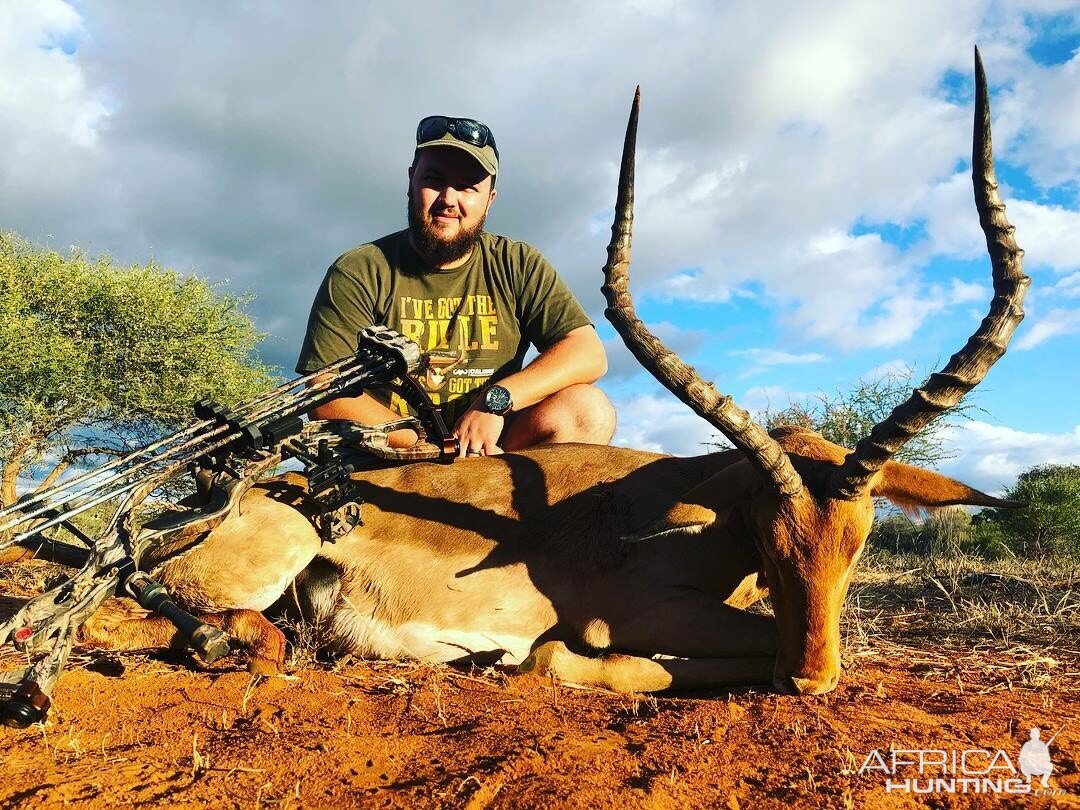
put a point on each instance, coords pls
(664, 425)
(989, 457)
(1049, 234)
(1068, 287)
(768, 130)
(836, 280)
(951, 228)
(51, 118)
(1049, 101)
(1054, 323)
(687, 285)
(761, 398)
(764, 359)
(965, 292)
(776, 357)
(890, 368)
(683, 342)
(44, 95)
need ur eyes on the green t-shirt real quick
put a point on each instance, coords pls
(473, 323)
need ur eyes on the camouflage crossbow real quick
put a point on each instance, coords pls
(228, 451)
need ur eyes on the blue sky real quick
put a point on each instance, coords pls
(804, 215)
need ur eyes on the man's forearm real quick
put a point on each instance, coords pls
(368, 411)
(578, 358)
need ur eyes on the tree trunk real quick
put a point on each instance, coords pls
(9, 474)
(10, 468)
(57, 471)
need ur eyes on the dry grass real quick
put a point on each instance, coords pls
(994, 625)
(303, 647)
(25, 579)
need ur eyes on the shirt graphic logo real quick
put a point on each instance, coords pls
(435, 367)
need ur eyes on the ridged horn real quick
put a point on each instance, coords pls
(969, 366)
(717, 409)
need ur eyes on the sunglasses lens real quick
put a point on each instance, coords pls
(472, 131)
(431, 128)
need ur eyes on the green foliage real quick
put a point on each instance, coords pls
(898, 534)
(101, 357)
(845, 417)
(947, 531)
(989, 541)
(1049, 524)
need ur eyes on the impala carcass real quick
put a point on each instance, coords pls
(588, 561)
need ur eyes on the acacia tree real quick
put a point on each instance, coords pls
(847, 416)
(1049, 523)
(97, 358)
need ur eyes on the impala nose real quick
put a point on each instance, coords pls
(806, 686)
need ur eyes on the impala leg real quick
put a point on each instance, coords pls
(628, 673)
(121, 625)
(718, 646)
(265, 642)
(696, 625)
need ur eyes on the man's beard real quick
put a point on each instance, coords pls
(437, 248)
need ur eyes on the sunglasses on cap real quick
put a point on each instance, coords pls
(463, 129)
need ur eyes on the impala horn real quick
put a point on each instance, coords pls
(968, 366)
(717, 409)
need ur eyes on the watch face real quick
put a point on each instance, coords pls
(497, 400)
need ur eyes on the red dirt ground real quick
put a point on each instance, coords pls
(138, 730)
(165, 730)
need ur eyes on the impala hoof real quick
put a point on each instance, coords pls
(542, 660)
(264, 666)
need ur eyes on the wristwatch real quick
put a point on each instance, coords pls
(497, 400)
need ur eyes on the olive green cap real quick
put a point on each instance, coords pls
(484, 155)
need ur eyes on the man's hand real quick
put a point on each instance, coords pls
(478, 433)
(577, 358)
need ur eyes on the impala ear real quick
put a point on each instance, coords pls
(682, 518)
(914, 489)
(729, 487)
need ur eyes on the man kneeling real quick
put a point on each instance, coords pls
(474, 302)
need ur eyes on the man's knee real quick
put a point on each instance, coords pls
(579, 413)
(591, 412)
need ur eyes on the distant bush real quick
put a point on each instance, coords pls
(97, 358)
(948, 531)
(1049, 524)
(846, 416)
(988, 540)
(898, 534)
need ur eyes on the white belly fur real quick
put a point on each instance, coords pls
(370, 638)
(399, 601)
